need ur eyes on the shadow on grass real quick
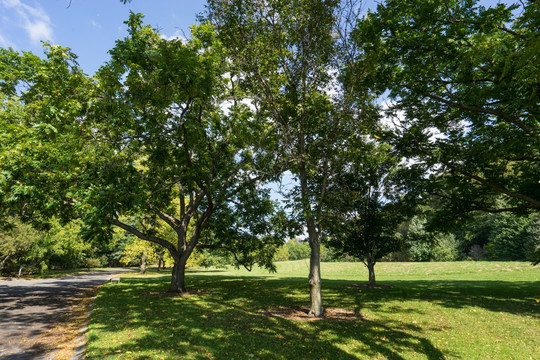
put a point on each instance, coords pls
(516, 297)
(228, 324)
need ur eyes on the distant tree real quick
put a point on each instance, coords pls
(66, 248)
(18, 248)
(298, 249)
(504, 236)
(366, 206)
(282, 254)
(426, 245)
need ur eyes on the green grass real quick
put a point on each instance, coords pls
(460, 310)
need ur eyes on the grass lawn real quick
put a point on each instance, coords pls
(459, 310)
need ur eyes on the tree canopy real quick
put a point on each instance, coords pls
(463, 83)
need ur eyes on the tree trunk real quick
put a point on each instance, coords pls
(4, 261)
(20, 271)
(143, 262)
(161, 263)
(178, 284)
(316, 309)
(371, 270)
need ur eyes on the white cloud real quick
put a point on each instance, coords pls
(5, 43)
(34, 20)
(95, 24)
(178, 35)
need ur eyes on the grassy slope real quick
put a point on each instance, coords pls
(463, 310)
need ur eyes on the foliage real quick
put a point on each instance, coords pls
(175, 156)
(149, 138)
(18, 247)
(503, 236)
(43, 137)
(295, 249)
(65, 245)
(425, 245)
(23, 246)
(366, 206)
(463, 85)
(288, 58)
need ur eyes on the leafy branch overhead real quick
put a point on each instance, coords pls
(463, 86)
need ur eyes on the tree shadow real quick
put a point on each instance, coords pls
(229, 323)
(513, 297)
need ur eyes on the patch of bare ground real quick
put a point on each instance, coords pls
(302, 314)
(366, 286)
(60, 341)
(162, 294)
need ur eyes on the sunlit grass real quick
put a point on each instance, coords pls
(464, 310)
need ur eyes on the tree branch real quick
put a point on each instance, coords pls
(150, 238)
(170, 220)
(477, 109)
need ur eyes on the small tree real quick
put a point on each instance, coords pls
(19, 248)
(366, 208)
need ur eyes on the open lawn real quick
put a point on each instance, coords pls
(459, 310)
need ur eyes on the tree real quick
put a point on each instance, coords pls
(141, 252)
(159, 134)
(65, 246)
(285, 52)
(16, 247)
(31, 250)
(176, 146)
(366, 206)
(424, 245)
(502, 236)
(463, 82)
(42, 135)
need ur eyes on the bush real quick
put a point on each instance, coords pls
(92, 263)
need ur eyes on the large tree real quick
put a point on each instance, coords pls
(286, 53)
(463, 85)
(178, 146)
(158, 136)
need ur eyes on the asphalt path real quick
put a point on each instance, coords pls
(28, 307)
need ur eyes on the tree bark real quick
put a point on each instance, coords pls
(161, 262)
(316, 309)
(143, 262)
(4, 261)
(178, 282)
(20, 271)
(371, 270)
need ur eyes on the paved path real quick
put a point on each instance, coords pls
(28, 307)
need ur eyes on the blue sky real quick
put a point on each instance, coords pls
(90, 27)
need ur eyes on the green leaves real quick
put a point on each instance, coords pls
(43, 107)
(458, 68)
